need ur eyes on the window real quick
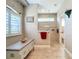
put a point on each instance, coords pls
(45, 19)
(45, 23)
(12, 22)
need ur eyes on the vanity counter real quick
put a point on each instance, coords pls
(18, 45)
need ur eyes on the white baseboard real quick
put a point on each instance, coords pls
(68, 52)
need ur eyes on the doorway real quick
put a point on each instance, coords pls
(62, 23)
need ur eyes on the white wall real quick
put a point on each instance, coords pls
(67, 4)
(32, 28)
(68, 34)
(19, 8)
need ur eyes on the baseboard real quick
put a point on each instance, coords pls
(68, 52)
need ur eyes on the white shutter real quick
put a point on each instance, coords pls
(13, 26)
(15, 23)
(7, 20)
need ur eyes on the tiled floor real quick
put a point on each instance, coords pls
(57, 52)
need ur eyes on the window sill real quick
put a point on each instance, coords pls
(13, 35)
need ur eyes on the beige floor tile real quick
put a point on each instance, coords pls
(56, 52)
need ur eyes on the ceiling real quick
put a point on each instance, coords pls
(47, 5)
